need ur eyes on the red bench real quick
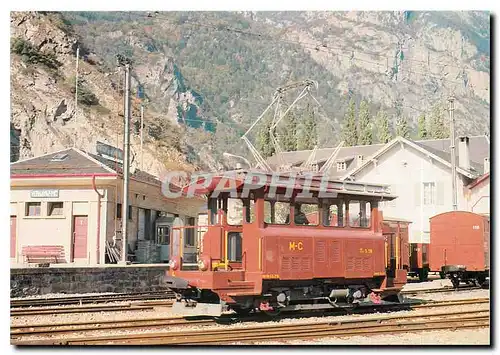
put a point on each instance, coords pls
(43, 254)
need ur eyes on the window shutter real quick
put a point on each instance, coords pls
(440, 193)
(417, 194)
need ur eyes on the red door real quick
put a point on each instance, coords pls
(80, 236)
(12, 236)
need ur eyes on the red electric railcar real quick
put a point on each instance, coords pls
(459, 246)
(275, 258)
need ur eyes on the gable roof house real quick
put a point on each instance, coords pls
(71, 199)
(419, 173)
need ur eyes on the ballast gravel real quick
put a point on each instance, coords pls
(421, 311)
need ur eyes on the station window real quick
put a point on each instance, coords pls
(33, 209)
(55, 208)
(334, 214)
(276, 212)
(119, 210)
(359, 214)
(130, 212)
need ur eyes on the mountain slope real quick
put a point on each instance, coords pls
(44, 117)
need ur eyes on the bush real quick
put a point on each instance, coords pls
(85, 96)
(31, 55)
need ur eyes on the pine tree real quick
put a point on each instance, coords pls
(288, 138)
(438, 128)
(383, 130)
(264, 144)
(349, 129)
(402, 128)
(308, 136)
(422, 127)
(365, 126)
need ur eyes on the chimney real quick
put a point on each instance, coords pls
(463, 153)
(359, 160)
(486, 165)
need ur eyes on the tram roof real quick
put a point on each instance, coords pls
(241, 180)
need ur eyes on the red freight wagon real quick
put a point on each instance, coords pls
(395, 233)
(419, 261)
(459, 246)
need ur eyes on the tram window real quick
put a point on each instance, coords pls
(334, 214)
(250, 208)
(234, 211)
(189, 232)
(359, 214)
(234, 246)
(276, 212)
(306, 214)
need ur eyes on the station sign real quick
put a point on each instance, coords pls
(45, 193)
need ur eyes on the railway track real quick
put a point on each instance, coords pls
(295, 331)
(118, 297)
(438, 290)
(68, 328)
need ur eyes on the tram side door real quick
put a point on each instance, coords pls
(390, 245)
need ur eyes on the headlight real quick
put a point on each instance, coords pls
(173, 264)
(202, 265)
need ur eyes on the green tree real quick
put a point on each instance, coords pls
(349, 129)
(383, 128)
(422, 127)
(365, 126)
(308, 136)
(264, 144)
(438, 128)
(289, 132)
(402, 128)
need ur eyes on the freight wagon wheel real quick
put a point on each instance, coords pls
(455, 281)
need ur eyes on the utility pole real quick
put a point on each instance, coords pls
(142, 126)
(451, 108)
(76, 76)
(126, 159)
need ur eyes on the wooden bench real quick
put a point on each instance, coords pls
(43, 254)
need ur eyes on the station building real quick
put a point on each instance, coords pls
(67, 207)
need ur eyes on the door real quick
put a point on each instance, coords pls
(13, 236)
(80, 231)
(141, 225)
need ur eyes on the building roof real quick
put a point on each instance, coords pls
(73, 162)
(479, 148)
(479, 180)
(66, 162)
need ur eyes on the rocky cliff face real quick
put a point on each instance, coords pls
(44, 116)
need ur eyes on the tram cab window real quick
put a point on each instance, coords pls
(276, 212)
(305, 214)
(249, 205)
(334, 214)
(359, 214)
(234, 211)
(234, 246)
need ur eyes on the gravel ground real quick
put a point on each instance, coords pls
(439, 337)
(422, 311)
